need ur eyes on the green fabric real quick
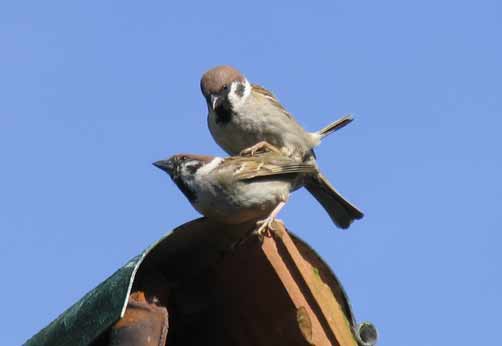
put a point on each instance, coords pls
(92, 314)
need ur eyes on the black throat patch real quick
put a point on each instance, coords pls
(187, 191)
(224, 113)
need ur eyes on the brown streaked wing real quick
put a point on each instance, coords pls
(264, 92)
(267, 165)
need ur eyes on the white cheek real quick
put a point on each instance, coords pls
(210, 166)
(185, 169)
(236, 100)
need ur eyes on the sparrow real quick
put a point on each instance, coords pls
(245, 118)
(240, 189)
(241, 115)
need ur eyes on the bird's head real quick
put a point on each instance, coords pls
(182, 169)
(224, 87)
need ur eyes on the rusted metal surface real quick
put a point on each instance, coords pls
(274, 292)
(269, 294)
(321, 298)
(365, 332)
(144, 324)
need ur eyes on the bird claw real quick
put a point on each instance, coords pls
(260, 147)
(267, 227)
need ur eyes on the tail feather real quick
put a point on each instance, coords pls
(341, 211)
(342, 122)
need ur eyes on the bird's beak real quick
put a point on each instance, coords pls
(215, 101)
(165, 165)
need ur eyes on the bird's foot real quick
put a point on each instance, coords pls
(267, 227)
(260, 147)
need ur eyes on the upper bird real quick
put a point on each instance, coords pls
(245, 117)
(242, 114)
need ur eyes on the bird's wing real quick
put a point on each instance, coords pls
(271, 98)
(268, 164)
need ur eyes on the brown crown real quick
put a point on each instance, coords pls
(214, 80)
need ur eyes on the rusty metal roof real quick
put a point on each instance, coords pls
(187, 249)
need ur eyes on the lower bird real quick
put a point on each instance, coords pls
(239, 189)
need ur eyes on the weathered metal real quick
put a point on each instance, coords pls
(194, 272)
(95, 312)
(143, 324)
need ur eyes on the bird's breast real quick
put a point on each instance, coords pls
(250, 125)
(240, 201)
(236, 135)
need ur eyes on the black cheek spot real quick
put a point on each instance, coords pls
(193, 167)
(240, 90)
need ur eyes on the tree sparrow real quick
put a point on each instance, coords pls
(243, 114)
(244, 118)
(245, 188)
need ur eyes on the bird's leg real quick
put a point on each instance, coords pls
(266, 225)
(262, 146)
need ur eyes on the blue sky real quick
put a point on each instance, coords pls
(93, 92)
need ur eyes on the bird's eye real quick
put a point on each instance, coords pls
(225, 87)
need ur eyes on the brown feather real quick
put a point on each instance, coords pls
(257, 89)
(215, 79)
(268, 164)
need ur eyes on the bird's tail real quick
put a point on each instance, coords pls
(342, 122)
(341, 211)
